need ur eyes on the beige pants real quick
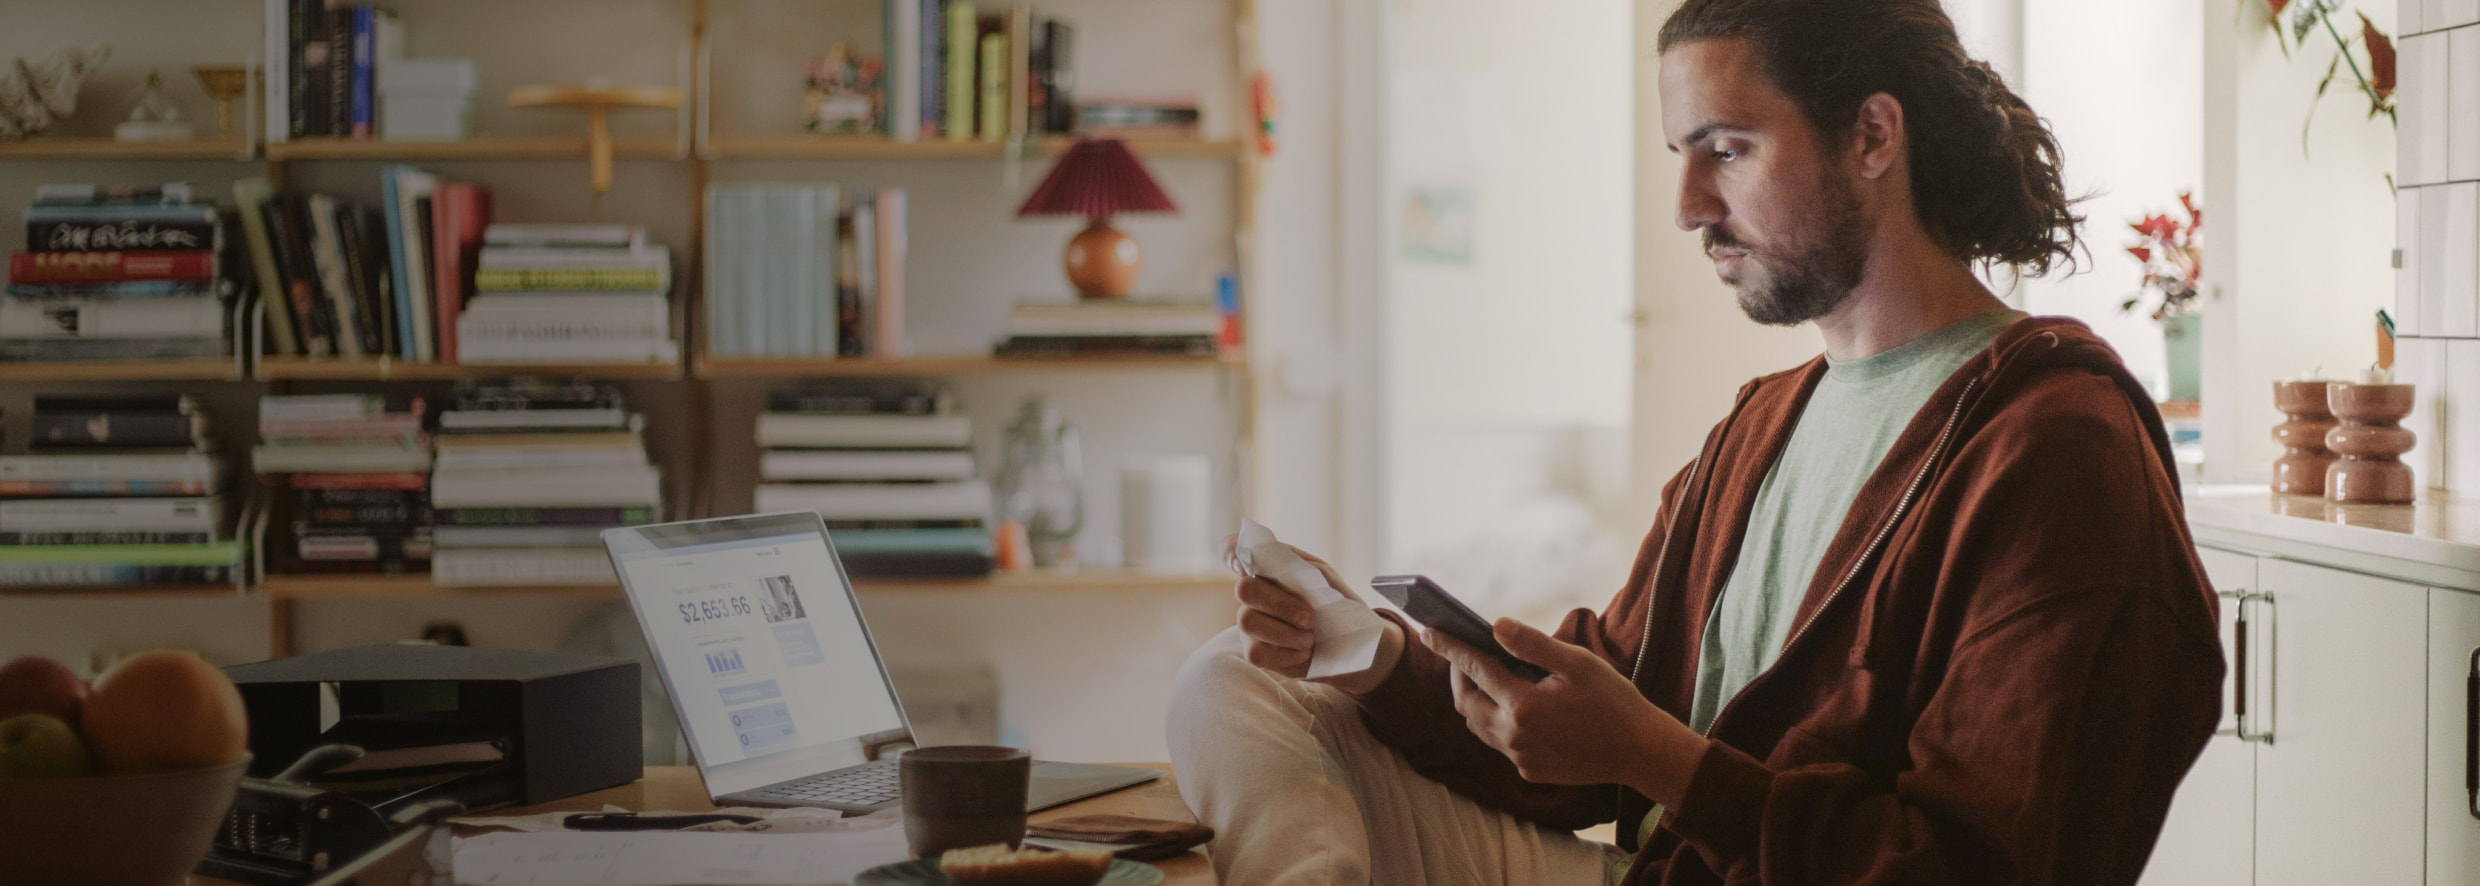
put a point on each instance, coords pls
(1299, 792)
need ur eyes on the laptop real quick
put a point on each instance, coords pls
(780, 691)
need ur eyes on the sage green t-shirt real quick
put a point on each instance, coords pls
(1850, 421)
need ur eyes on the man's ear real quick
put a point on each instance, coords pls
(1880, 135)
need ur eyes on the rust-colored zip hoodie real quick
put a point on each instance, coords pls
(2005, 662)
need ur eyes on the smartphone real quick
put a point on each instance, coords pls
(1434, 608)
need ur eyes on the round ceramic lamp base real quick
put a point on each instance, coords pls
(1102, 262)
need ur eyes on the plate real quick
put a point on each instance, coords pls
(926, 873)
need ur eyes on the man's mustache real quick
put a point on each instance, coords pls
(1717, 238)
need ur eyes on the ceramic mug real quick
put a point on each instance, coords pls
(963, 795)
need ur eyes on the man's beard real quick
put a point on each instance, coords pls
(1818, 267)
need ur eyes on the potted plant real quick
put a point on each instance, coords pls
(2173, 263)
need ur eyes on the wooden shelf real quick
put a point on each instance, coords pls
(956, 365)
(107, 149)
(222, 369)
(528, 148)
(863, 147)
(323, 369)
(330, 587)
(164, 592)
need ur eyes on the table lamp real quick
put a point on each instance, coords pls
(1095, 179)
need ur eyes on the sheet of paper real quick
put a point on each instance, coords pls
(787, 820)
(1347, 631)
(670, 858)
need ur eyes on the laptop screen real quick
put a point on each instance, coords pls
(760, 641)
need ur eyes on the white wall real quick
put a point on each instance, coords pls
(1504, 369)
(2122, 86)
(2308, 237)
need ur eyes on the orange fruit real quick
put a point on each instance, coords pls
(163, 712)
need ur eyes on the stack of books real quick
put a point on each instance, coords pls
(793, 272)
(352, 280)
(569, 294)
(118, 492)
(116, 274)
(1112, 327)
(962, 71)
(529, 475)
(358, 484)
(889, 465)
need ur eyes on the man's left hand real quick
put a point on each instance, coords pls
(1583, 724)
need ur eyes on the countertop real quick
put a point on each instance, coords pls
(2435, 540)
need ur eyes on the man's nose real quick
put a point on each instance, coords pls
(1699, 206)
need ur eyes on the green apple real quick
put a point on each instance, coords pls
(41, 746)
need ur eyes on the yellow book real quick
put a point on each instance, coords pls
(994, 101)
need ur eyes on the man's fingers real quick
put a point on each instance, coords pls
(1268, 629)
(1529, 643)
(1270, 598)
(1485, 673)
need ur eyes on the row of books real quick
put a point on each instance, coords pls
(117, 274)
(529, 475)
(888, 464)
(796, 270)
(354, 475)
(116, 491)
(329, 67)
(962, 72)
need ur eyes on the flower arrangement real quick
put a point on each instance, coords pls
(2376, 78)
(2173, 259)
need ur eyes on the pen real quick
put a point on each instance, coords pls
(630, 821)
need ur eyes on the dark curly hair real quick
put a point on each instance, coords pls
(1985, 169)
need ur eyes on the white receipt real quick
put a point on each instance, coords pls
(1347, 631)
(666, 858)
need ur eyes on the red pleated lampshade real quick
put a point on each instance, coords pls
(1097, 178)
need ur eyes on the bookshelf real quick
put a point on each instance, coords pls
(733, 126)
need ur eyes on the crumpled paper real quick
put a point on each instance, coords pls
(1347, 631)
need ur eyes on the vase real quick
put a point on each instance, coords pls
(2182, 338)
(2306, 421)
(2371, 441)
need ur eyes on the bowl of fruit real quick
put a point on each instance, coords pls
(121, 782)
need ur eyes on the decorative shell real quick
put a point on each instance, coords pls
(34, 95)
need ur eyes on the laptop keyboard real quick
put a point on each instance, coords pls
(868, 784)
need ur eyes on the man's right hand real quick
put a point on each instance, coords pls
(1281, 628)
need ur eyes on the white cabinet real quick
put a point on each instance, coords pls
(2210, 837)
(2341, 736)
(2453, 651)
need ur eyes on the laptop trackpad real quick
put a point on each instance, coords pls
(1055, 783)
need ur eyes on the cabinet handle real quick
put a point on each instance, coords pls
(2238, 664)
(2471, 734)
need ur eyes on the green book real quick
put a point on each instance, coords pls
(994, 104)
(962, 28)
(500, 279)
(217, 553)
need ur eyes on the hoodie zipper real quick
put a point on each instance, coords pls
(1883, 531)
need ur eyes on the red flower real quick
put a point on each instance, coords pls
(2142, 253)
(2273, 9)
(2380, 57)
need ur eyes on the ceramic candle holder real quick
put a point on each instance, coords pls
(2371, 441)
(2301, 469)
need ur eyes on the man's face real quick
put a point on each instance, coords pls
(1779, 215)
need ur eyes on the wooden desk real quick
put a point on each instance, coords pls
(676, 788)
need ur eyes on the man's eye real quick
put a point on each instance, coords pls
(1725, 154)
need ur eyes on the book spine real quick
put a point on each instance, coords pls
(63, 350)
(181, 403)
(845, 328)
(195, 317)
(462, 212)
(626, 516)
(358, 496)
(1059, 84)
(887, 310)
(355, 482)
(961, 48)
(365, 23)
(250, 196)
(355, 515)
(97, 488)
(394, 425)
(991, 101)
(521, 279)
(308, 66)
(543, 328)
(378, 547)
(92, 235)
(276, 69)
(292, 248)
(110, 267)
(931, 62)
(362, 279)
(128, 289)
(105, 537)
(335, 281)
(108, 575)
(339, 81)
(916, 565)
(485, 567)
(113, 430)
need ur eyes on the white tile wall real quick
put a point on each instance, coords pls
(2462, 103)
(2407, 313)
(2409, 120)
(2434, 247)
(2407, 15)
(2432, 16)
(2428, 58)
(2457, 13)
(2461, 421)
(2458, 306)
(2421, 363)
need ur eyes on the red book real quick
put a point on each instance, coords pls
(390, 480)
(459, 212)
(110, 267)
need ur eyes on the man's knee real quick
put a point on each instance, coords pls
(1216, 671)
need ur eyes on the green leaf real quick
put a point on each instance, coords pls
(2313, 101)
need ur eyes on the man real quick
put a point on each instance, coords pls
(1923, 610)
